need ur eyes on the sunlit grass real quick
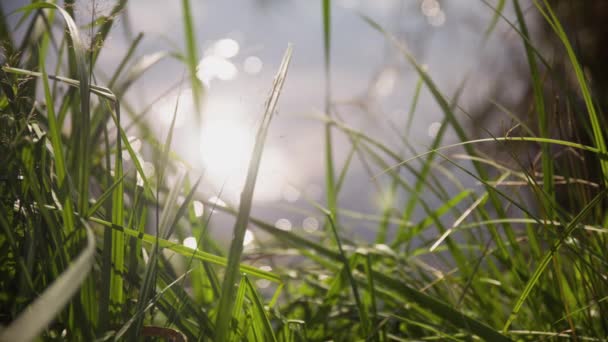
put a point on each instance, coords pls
(99, 244)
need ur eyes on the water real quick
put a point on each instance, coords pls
(241, 44)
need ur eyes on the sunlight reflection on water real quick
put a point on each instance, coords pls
(240, 51)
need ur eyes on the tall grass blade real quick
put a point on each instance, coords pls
(231, 275)
(118, 239)
(191, 57)
(260, 318)
(363, 316)
(543, 120)
(330, 182)
(83, 72)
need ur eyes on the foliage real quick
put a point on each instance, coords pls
(87, 249)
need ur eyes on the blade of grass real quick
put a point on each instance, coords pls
(346, 166)
(106, 253)
(78, 49)
(412, 111)
(137, 70)
(104, 197)
(54, 131)
(191, 57)
(117, 298)
(426, 165)
(238, 334)
(260, 318)
(186, 251)
(56, 143)
(95, 89)
(497, 13)
(372, 302)
(162, 230)
(434, 216)
(101, 35)
(543, 120)
(39, 314)
(236, 248)
(544, 262)
(598, 132)
(126, 58)
(87, 304)
(499, 139)
(500, 13)
(125, 327)
(330, 183)
(363, 317)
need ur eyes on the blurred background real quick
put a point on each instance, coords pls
(372, 86)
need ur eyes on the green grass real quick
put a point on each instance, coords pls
(89, 253)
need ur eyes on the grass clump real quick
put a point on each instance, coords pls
(88, 239)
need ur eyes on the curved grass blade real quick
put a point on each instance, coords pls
(38, 315)
(95, 89)
(498, 139)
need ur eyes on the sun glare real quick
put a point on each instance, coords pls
(225, 139)
(226, 144)
(225, 149)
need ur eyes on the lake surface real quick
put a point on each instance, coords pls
(241, 45)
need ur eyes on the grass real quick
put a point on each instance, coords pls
(87, 238)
